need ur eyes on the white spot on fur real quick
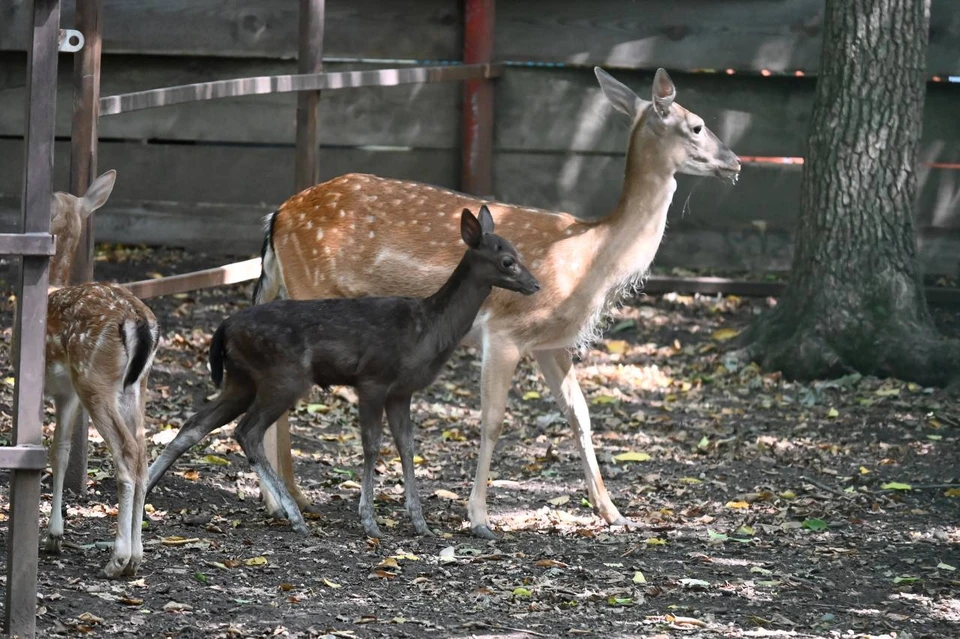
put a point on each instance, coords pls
(319, 234)
(372, 234)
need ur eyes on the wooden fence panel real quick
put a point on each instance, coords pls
(746, 35)
(408, 115)
(411, 29)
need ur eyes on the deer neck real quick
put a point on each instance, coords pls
(625, 242)
(454, 307)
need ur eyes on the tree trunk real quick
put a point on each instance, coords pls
(855, 298)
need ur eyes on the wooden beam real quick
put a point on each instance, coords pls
(20, 607)
(477, 150)
(83, 168)
(208, 278)
(310, 60)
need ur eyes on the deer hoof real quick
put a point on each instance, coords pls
(423, 529)
(484, 532)
(115, 567)
(53, 544)
(372, 530)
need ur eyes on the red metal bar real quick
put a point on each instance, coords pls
(310, 60)
(20, 601)
(83, 168)
(477, 160)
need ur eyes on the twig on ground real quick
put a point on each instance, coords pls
(829, 489)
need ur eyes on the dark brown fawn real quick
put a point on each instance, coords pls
(385, 347)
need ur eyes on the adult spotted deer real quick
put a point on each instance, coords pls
(329, 241)
(386, 347)
(101, 341)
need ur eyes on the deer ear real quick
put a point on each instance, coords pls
(96, 196)
(620, 95)
(486, 219)
(664, 92)
(470, 229)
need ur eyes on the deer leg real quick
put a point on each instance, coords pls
(133, 404)
(371, 429)
(500, 361)
(398, 416)
(230, 404)
(557, 368)
(67, 405)
(277, 446)
(110, 424)
(249, 433)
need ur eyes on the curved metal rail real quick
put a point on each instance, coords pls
(326, 81)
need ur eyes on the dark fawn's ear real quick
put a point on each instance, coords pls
(664, 92)
(470, 229)
(486, 220)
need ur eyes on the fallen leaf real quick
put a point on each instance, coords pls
(737, 504)
(943, 566)
(895, 485)
(724, 334)
(833, 412)
(617, 346)
(887, 392)
(952, 492)
(330, 584)
(603, 399)
(549, 563)
(815, 524)
(452, 435)
(694, 584)
(213, 459)
(191, 475)
(178, 541)
(255, 561)
(445, 494)
(521, 592)
(448, 554)
(638, 578)
(690, 480)
(559, 501)
(531, 395)
(906, 580)
(620, 601)
(631, 457)
(174, 606)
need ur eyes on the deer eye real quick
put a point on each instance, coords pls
(507, 262)
(697, 129)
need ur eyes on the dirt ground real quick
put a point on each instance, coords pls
(766, 508)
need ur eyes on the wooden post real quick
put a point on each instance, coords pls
(20, 603)
(309, 60)
(476, 175)
(83, 169)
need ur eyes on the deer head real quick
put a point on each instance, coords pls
(67, 214)
(685, 142)
(495, 258)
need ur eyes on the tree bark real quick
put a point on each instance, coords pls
(855, 298)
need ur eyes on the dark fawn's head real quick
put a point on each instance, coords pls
(689, 147)
(493, 258)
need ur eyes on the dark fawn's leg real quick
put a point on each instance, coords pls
(371, 428)
(249, 432)
(227, 407)
(398, 415)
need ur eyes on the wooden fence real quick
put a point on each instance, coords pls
(203, 175)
